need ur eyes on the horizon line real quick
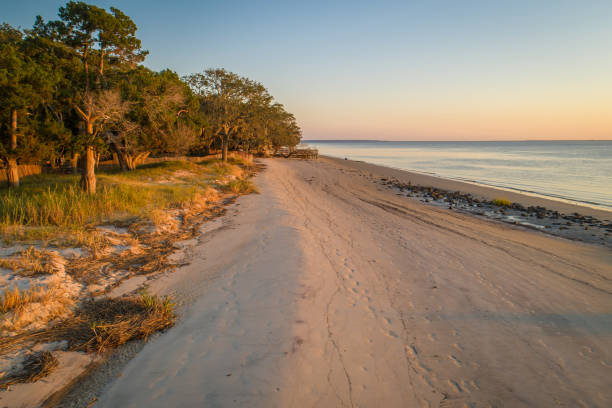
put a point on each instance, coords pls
(499, 140)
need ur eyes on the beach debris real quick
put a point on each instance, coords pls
(34, 367)
(575, 225)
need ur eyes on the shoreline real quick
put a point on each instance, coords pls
(569, 221)
(490, 192)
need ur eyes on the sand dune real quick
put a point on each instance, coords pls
(327, 290)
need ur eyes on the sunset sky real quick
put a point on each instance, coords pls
(428, 70)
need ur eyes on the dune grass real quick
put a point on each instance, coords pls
(46, 205)
(96, 326)
(29, 262)
(16, 299)
(57, 200)
(241, 186)
(103, 324)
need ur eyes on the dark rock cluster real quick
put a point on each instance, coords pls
(573, 226)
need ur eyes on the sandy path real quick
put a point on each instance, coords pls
(326, 291)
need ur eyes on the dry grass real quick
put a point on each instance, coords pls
(16, 299)
(221, 169)
(154, 253)
(104, 324)
(35, 367)
(159, 205)
(31, 262)
(32, 308)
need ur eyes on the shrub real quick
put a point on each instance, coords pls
(241, 186)
(502, 202)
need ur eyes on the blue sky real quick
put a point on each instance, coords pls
(428, 70)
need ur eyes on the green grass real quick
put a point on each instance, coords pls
(241, 186)
(45, 205)
(502, 202)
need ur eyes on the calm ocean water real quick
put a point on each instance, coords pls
(578, 171)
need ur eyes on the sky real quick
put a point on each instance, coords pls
(421, 70)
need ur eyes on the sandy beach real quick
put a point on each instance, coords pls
(329, 290)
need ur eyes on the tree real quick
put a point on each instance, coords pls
(159, 120)
(108, 39)
(284, 130)
(230, 103)
(222, 94)
(24, 83)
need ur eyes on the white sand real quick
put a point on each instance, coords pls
(35, 394)
(326, 290)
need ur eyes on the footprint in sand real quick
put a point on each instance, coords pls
(586, 353)
(455, 385)
(458, 346)
(411, 349)
(455, 360)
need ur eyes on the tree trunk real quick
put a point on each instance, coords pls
(88, 174)
(13, 130)
(224, 148)
(12, 172)
(74, 162)
(120, 156)
(130, 161)
(12, 169)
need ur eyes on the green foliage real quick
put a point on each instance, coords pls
(156, 304)
(159, 119)
(240, 112)
(241, 186)
(25, 83)
(75, 85)
(502, 202)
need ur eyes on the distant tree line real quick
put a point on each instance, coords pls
(73, 90)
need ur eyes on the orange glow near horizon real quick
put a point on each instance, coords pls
(527, 118)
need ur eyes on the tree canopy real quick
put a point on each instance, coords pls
(74, 90)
